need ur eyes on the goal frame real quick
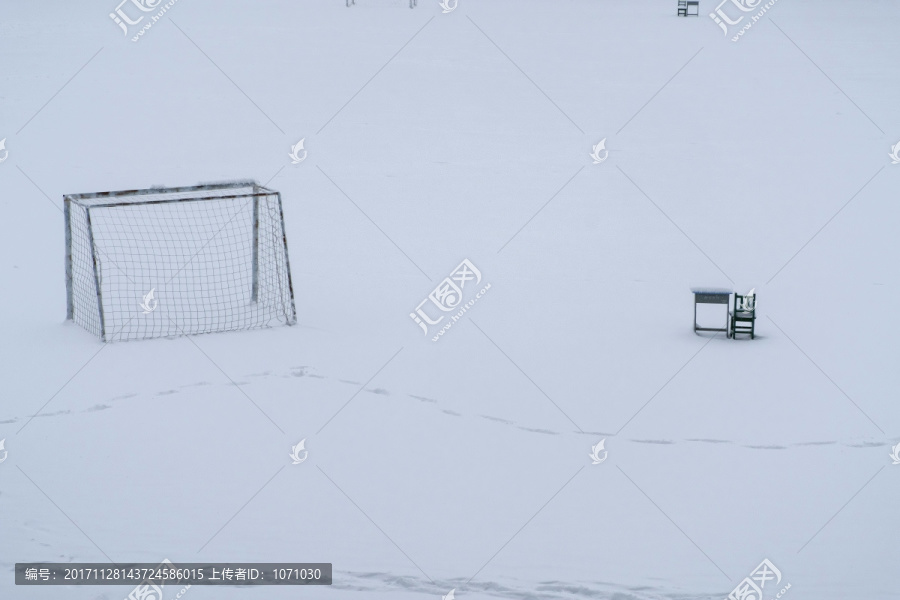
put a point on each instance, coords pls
(202, 192)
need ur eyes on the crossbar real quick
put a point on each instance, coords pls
(172, 190)
(171, 200)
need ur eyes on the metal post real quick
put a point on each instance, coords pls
(695, 313)
(292, 319)
(96, 262)
(254, 293)
(70, 304)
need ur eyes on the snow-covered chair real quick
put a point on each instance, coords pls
(744, 312)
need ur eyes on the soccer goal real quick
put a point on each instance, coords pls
(177, 261)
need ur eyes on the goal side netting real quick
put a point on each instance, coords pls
(177, 261)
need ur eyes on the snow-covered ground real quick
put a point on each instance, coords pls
(435, 137)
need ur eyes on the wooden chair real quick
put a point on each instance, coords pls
(744, 312)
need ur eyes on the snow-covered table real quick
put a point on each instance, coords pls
(684, 8)
(711, 295)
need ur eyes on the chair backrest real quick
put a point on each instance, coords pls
(745, 303)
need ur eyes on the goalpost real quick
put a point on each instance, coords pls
(177, 261)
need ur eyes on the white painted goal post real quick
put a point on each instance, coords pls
(163, 262)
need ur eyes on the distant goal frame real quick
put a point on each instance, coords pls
(109, 251)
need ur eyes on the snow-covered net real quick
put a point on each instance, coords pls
(177, 261)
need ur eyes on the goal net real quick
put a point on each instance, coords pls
(177, 261)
